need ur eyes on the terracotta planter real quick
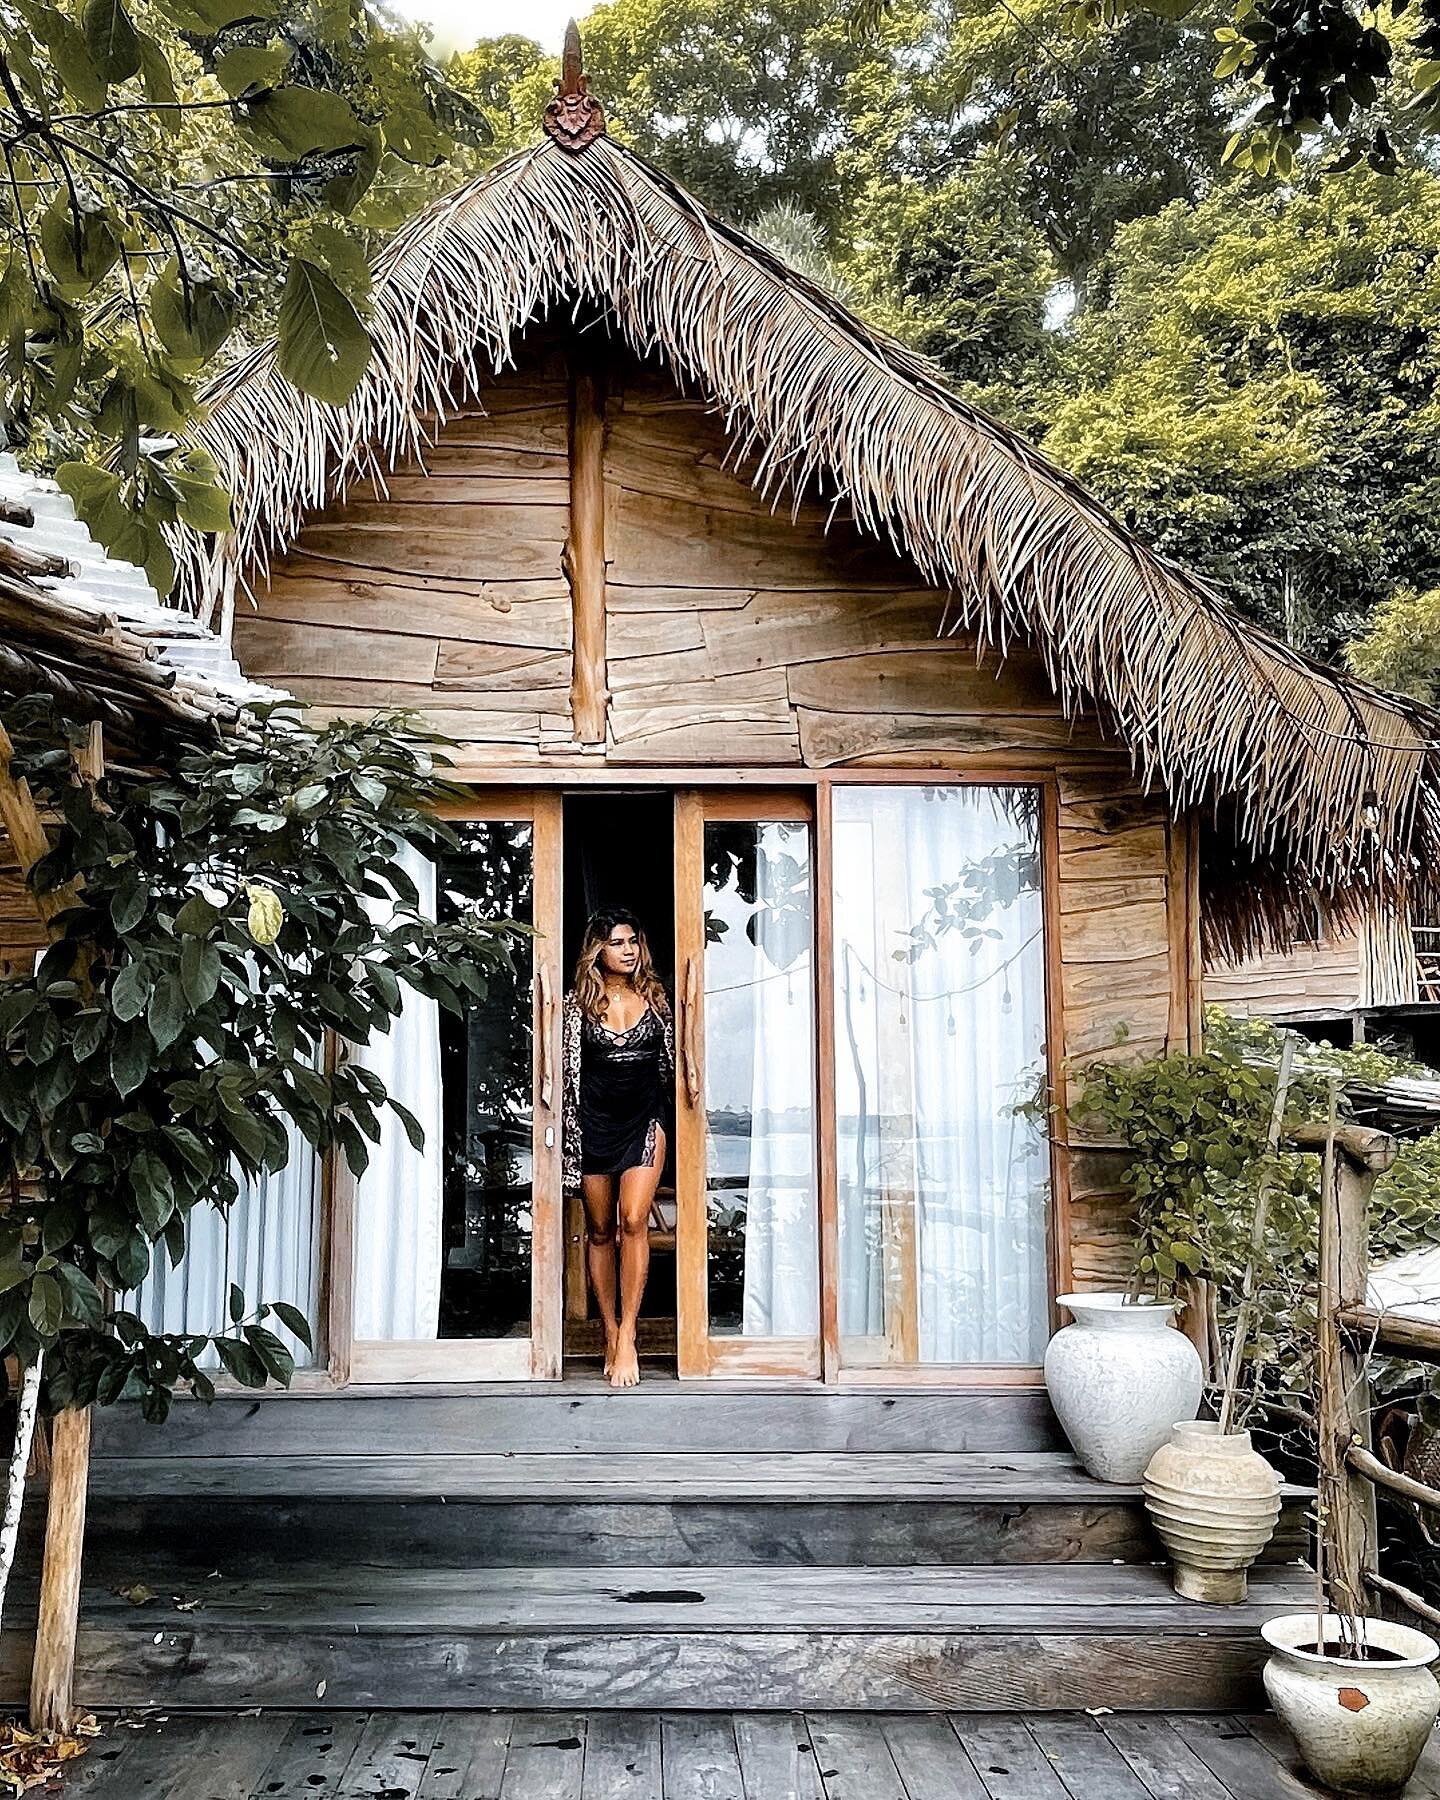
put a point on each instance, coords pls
(1215, 1502)
(1119, 1378)
(1359, 1726)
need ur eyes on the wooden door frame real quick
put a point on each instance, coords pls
(537, 1357)
(949, 1375)
(698, 1353)
(697, 795)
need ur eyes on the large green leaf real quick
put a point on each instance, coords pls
(47, 1305)
(252, 68)
(111, 39)
(195, 318)
(322, 344)
(288, 123)
(159, 82)
(81, 241)
(69, 53)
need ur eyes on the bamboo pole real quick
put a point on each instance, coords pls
(1257, 1236)
(585, 551)
(1354, 1156)
(1417, 1338)
(52, 1675)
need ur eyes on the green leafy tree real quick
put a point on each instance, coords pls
(509, 80)
(744, 104)
(1399, 647)
(1256, 393)
(218, 921)
(1103, 129)
(174, 174)
(961, 273)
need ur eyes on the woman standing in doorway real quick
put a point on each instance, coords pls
(619, 1075)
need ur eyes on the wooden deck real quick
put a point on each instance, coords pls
(701, 1756)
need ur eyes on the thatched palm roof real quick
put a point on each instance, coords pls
(1310, 779)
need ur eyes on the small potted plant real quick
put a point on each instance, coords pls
(1213, 1499)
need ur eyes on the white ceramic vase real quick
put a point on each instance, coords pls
(1119, 1378)
(1214, 1501)
(1359, 1726)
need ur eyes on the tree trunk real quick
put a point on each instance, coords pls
(15, 1485)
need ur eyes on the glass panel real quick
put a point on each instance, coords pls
(763, 1271)
(487, 1097)
(939, 1039)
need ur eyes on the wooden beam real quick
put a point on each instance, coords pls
(24, 827)
(1418, 1338)
(584, 556)
(1367, 1464)
(52, 1674)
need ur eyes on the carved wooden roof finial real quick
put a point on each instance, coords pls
(574, 118)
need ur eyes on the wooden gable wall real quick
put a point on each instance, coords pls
(737, 637)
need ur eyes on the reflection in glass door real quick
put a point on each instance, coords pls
(456, 1242)
(748, 1238)
(942, 1161)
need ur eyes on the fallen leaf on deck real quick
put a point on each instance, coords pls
(28, 1759)
(138, 1595)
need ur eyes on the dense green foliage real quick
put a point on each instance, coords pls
(174, 176)
(1196, 1129)
(1257, 394)
(1399, 648)
(220, 920)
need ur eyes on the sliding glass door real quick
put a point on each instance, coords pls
(941, 1156)
(457, 1245)
(748, 1271)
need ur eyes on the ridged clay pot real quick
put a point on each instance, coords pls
(1359, 1726)
(1119, 1378)
(1214, 1501)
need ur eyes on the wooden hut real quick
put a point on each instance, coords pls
(929, 781)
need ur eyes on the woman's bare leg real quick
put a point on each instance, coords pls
(637, 1193)
(598, 1193)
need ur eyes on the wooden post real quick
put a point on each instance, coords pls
(52, 1675)
(53, 1670)
(1347, 1499)
(584, 557)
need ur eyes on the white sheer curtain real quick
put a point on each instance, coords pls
(943, 1189)
(267, 1244)
(782, 1271)
(399, 1201)
(759, 1042)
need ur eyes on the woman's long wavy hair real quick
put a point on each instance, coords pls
(590, 982)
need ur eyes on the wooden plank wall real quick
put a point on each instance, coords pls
(1322, 977)
(737, 636)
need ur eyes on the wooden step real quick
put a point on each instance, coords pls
(673, 1508)
(1003, 1639)
(585, 1414)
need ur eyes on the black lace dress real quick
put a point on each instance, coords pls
(617, 1091)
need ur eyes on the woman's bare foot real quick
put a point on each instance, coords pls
(612, 1338)
(625, 1364)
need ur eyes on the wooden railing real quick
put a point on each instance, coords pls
(1348, 1331)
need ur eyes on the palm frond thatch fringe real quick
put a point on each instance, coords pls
(1294, 762)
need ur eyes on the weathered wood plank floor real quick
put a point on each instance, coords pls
(700, 1756)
